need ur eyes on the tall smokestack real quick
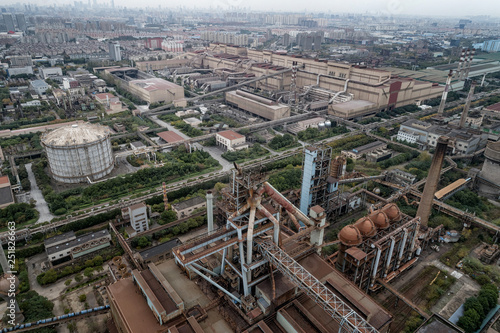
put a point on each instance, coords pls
(210, 211)
(469, 64)
(460, 63)
(424, 209)
(445, 93)
(464, 65)
(465, 111)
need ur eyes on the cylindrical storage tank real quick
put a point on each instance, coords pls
(79, 151)
(350, 236)
(366, 227)
(321, 126)
(328, 123)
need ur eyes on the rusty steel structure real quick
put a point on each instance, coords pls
(316, 169)
(248, 247)
(378, 246)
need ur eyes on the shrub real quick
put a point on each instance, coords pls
(82, 298)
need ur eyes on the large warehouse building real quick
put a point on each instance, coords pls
(156, 90)
(257, 105)
(370, 90)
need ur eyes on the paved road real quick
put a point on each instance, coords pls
(36, 194)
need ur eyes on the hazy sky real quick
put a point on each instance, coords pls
(418, 7)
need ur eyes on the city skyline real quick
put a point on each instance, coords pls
(379, 7)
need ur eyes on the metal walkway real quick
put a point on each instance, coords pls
(347, 318)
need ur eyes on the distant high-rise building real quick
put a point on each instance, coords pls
(9, 22)
(114, 51)
(286, 39)
(21, 22)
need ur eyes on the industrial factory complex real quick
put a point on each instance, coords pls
(314, 173)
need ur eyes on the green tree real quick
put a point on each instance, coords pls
(88, 272)
(82, 298)
(168, 216)
(35, 307)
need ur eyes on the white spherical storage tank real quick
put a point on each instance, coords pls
(78, 152)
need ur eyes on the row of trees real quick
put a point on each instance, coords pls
(187, 129)
(180, 164)
(282, 142)
(251, 153)
(350, 142)
(397, 111)
(477, 308)
(314, 134)
(21, 122)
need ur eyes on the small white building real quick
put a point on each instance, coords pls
(408, 136)
(51, 72)
(231, 140)
(138, 216)
(39, 86)
(192, 121)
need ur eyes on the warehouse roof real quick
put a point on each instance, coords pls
(188, 203)
(170, 136)
(159, 249)
(56, 239)
(155, 84)
(77, 241)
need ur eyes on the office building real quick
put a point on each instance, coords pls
(21, 22)
(114, 51)
(9, 22)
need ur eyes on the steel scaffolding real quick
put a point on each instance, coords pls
(348, 319)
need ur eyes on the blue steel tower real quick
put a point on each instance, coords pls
(314, 177)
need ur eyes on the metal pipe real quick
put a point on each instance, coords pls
(339, 92)
(204, 269)
(210, 211)
(215, 284)
(279, 198)
(402, 248)
(389, 257)
(251, 222)
(294, 221)
(273, 220)
(375, 267)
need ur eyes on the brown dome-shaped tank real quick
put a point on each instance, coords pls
(5, 282)
(379, 219)
(366, 227)
(350, 236)
(392, 211)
